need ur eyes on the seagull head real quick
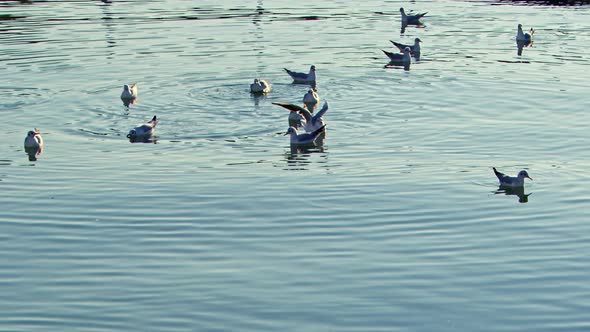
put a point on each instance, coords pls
(401, 10)
(31, 133)
(523, 174)
(417, 40)
(291, 130)
(132, 133)
(312, 68)
(256, 81)
(407, 50)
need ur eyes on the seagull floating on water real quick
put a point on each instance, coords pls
(511, 181)
(311, 98)
(414, 49)
(145, 130)
(524, 37)
(312, 121)
(411, 19)
(34, 142)
(129, 92)
(398, 58)
(302, 77)
(306, 138)
(259, 86)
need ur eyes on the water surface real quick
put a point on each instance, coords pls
(395, 224)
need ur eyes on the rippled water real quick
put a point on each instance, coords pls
(395, 224)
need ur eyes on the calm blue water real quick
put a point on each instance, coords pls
(395, 224)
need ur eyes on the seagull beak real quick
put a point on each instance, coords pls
(530, 178)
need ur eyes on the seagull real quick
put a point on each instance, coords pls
(34, 142)
(302, 77)
(312, 121)
(144, 130)
(311, 98)
(259, 86)
(510, 181)
(524, 37)
(306, 138)
(398, 58)
(411, 19)
(414, 49)
(296, 120)
(129, 92)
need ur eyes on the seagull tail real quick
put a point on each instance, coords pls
(498, 174)
(398, 45)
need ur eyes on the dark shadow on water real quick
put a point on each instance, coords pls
(257, 97)
(405, 25)
(32, 153)
(519, 192)
(143, 139)
(298, 156)
(312, 84)
(397, 65)
(107, 21)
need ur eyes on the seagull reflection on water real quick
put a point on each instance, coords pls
(518, 191)
(257, 98)
(298, 157)
(32, 152)
(143, 139)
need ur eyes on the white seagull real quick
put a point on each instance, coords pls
(398, 58)
(129, 92)
(259, 86)
(524, 37)
(143, 130)
(414, 49)
(511, 181)
(312, 121)
(34, 142)
(311, 98)
(411, 19)
(302, 77)
(296, 120)
(306, 138)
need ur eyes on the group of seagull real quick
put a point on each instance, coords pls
(405, 52)
(144, 131)
(301, 117)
